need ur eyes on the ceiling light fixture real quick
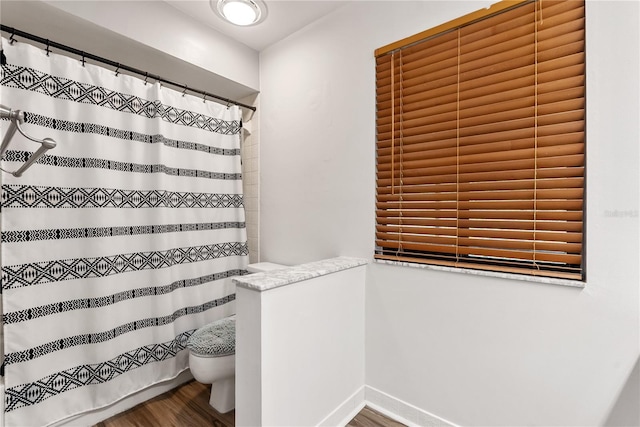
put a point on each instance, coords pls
(240, 12)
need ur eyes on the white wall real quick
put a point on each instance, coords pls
(300, 351)
(473, 350)
(161, 26)
(626, 412)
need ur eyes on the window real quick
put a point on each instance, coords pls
(481, 139)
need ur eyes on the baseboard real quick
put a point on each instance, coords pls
(346, 410)
(401, 411)
(380, 401)
(93, 417)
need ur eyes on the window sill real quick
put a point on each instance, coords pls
(512, 276)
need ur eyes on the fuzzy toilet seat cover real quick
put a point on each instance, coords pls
(216, 339)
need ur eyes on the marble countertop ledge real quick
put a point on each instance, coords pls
(285, 276)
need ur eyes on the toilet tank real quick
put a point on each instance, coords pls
(264, 266)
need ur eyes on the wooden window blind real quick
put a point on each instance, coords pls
(481, 142)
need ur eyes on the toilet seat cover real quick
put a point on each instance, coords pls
(216, 339)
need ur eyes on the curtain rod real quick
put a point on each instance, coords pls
(48, 43)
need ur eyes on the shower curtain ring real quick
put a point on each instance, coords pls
(146, 76)
(184, 92)
(117, 69)
(204, 98)
(48, 49)
(12, 39)
(83, 60)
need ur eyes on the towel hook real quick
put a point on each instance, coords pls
(17, 118)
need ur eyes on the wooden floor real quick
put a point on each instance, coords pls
(371, 418)
(188, 406)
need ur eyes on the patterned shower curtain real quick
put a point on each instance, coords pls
(119, 242)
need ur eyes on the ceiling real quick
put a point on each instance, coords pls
(284, 17)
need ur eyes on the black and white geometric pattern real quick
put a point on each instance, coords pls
(15, 236)
(62, 88)
(97, 373)
(16, 276)
(22, 196)
(107, 300)
(122, 134)
(99, 337)
(136, 166)
(87, 163)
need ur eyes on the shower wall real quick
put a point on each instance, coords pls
(251, 176)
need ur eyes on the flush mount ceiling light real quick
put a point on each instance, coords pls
(240, 12)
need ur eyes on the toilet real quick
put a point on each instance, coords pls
(212, 354)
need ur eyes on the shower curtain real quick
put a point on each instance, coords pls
(119, 242)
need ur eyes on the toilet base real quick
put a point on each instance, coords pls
(223, 395)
